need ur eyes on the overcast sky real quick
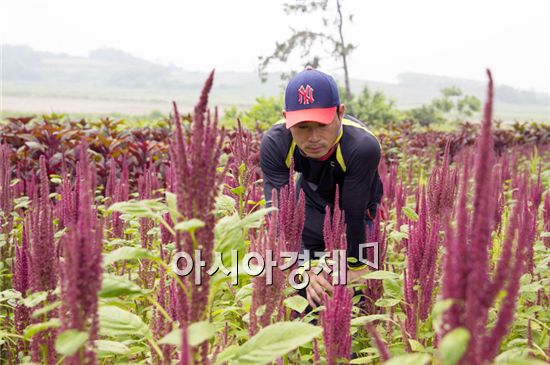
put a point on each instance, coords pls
(452, 38)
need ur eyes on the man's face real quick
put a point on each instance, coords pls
(316, 139)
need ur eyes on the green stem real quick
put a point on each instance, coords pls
(156, 347)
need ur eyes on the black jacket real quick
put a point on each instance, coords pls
(353, 166)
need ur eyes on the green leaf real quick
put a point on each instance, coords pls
(393, 289)
(225, 204)
(297, 303)
(409, 359)
(254, 219)
(131, 209)
(229, 229)
(453, 346)
(149, 208)
(189, 226)
(531, 287)
(410, 213)
(523, 362)
(270, 343)
(416, 346)
(172, 203)
(35, 298)
(364, 360)
(68, 342)
(511, 356)
(172, 338)
(386, 302)
(127, 253)
(439, 308)
(45, 309)
(381, 275)
(110, 348)
(363, 320)
(398, 236)
(9, 294)
(198, 332)
(39, 327)
(22, 202)
(239, 190)
(114, 286)
(117, 322)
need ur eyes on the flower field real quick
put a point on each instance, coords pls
(93, 215)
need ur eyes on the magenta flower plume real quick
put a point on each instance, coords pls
(510, 281)
(243, 169)
(482, 222)
(21, 283)
(116, 190)
(499, 191)
(291, 214)
(82, 270)
(374, 288)
(43, 256)
(422, 251)
(336, 319)
(383, 350)
(121, 194)
(161, 326)
(316, 354)
(401, 192)
(546, 217)
(389, 181)
(467, 278)
(6, 194)
(268, 295)
(455, 268)
(110, 184)
(442, 187)
(196, 156)
(535, 198)
(334, 227)
(43, 259)
(148, 184)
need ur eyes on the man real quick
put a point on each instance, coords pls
(330, 149)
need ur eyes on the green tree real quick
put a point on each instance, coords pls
(373, 108)
(426, 115)
(452, 105)
(332, 34)
(456, 104)
(264, 112)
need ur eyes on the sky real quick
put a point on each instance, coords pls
(442, 37)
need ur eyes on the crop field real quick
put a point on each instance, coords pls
(154, 245)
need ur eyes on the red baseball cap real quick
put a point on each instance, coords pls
(311, 96)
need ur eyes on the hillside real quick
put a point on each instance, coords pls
(112, 81)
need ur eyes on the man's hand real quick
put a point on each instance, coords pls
(322, 283)
(318, 285)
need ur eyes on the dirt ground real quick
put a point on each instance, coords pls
(82, 105)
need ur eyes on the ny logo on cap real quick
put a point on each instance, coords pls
(305, 95)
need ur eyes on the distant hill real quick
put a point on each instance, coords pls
(110, 80)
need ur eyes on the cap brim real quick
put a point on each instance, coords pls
(323, 116)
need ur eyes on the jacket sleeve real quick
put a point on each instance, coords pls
(359, 191)
(275, 173)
